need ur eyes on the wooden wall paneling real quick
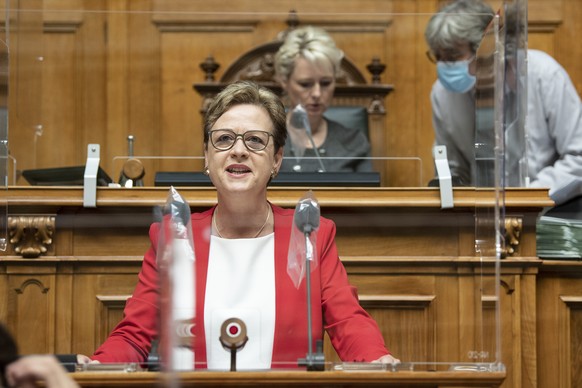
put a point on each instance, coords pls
(64, 307)
(510, 331)
(4, 290)
(425, 77)
(568, 51)
(25, 85)
(109, 310)
(408, 325)
(101, 290)
(59, 102)
(575, 341)
(568, 315)
(60, 95)
(64, 238)
(92, 235)
(544, 20)
(448, 300)
(114, 58)
(144, 92)
(552, 27)
(469, 317)
(91, 73)
(403, 301)
(568, 331)
(399, 229)
(182, 52)
(527, 350)
(518, 320)
(87, 327)
(486, 332)
(404, 38)
(31, 307)
(489, 330)
(548, 291)
(569, 339)
(118, 53)
(559, 324)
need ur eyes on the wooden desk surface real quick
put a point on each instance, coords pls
(422, 197)
(295, 379)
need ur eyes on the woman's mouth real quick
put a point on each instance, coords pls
(238, 170)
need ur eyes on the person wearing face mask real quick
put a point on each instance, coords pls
(554, 111)
(306, 66)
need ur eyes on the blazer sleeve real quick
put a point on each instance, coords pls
(353, 333)
(131, 340)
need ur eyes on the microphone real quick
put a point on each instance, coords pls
(299, 119)
(233, 337)
(307, 216)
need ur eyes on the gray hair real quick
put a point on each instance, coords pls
(311, 43)
(459, 22)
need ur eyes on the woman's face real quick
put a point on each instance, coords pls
(240, 169)
(311, 85)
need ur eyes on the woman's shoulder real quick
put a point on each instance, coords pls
(344, 141)
(339, 129)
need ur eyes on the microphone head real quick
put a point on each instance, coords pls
(306, 216)
(299, 118)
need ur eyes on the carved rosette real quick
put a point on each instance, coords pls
(31, 235)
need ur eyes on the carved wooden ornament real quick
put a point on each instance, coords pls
(31, 235)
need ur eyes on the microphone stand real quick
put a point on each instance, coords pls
(317, 155)
(314, 361)
(299, 117)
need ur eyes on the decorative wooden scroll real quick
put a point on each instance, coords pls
(31, 235)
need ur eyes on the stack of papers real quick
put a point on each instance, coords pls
(559, 238)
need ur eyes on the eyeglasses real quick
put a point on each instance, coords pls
(224, 139)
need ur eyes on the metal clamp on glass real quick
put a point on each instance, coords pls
(90, 176)
(444, 174)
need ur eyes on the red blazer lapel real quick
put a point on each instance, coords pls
(201, 229)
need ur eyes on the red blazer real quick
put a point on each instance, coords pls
(353, 333)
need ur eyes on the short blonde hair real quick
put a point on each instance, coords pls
(311, 43)
(247, 92)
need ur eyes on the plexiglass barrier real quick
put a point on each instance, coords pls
(149, 70)
(4, 154)
(158, 93)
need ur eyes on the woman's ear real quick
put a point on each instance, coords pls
(278, 160)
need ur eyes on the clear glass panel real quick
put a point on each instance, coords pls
(515, 93)
(134, 78)
(28, 148)
(489, 152)
(4, 155)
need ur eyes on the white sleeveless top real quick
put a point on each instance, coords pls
(241, 284)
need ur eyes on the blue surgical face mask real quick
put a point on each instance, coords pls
(455, 76)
